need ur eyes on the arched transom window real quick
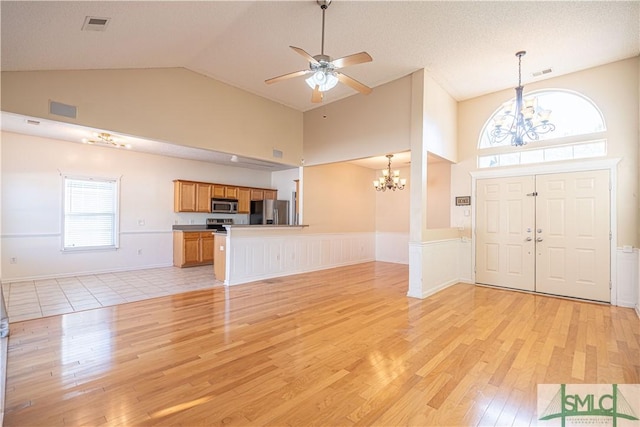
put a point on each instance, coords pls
(579, 132)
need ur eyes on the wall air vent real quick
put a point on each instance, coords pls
(541, 73)
(277, 154)
(94, 23)
(60, 109)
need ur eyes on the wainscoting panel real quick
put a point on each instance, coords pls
(262, 257)
(392, 247)
(627, 275)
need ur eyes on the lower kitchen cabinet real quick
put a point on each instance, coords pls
(191, 248)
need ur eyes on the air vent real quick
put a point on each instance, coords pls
(277, 154)
(60, 109)
(94, 23)
(33, 122)
(543, 72)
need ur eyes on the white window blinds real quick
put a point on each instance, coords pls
(90, 213)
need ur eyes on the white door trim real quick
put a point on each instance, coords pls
(575, 166)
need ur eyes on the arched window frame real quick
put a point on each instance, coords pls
(534, 148)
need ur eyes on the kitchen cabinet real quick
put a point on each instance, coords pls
(184, 196)
(220, 256)
(244, 200)
(203, 197)
(225, 191)
(192, 248)
(257, 194)
(271, 194)
(191, 196)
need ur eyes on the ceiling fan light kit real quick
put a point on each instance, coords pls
(324, 72)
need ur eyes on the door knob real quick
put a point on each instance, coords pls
(539, 239)
(528, 239)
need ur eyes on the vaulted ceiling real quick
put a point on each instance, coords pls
(468, 47)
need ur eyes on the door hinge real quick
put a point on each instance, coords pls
(609, 284)
(534, 194)
(610, 236)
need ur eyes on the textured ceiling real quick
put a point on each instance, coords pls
(467, 46)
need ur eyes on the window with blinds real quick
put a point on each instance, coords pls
(90, 214)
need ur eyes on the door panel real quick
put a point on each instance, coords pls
(504, 222)
(572, 221)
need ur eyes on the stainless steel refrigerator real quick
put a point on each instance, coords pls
(275, 212)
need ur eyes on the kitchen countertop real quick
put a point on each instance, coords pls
(245, 226)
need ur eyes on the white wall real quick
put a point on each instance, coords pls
(32, 206)
(283, 181)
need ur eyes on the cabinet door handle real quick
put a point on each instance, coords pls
(539, 239)
(528, 239)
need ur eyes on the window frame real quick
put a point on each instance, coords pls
(116, 214)
(569, 140)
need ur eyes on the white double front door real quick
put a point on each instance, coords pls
(545, 233)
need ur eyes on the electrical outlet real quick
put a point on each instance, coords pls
(141, 222)
(13, 260)
(139, 251)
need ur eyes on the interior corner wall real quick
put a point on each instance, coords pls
(359, 126)
(608, 86)
(172, 105)
(338, 198)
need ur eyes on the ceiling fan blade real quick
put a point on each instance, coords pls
(305, 55)
(286, 76)
(353, 83)
(356, 58)
(316, 96)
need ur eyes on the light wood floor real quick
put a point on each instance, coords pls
(337, 347)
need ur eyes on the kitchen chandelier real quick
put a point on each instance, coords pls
(389, 181)
(104, 138)
(522, 118)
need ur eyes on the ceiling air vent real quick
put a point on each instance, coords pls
(542, 73)
(94, 23)
(60, 109)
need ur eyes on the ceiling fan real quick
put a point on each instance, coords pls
(324, 71)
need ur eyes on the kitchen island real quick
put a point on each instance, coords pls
(256, 252)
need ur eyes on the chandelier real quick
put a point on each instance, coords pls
(522, 120)
(389, 181)
(105, 138)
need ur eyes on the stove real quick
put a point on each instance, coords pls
(218, 223)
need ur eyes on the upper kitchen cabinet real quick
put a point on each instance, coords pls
(225, 192)
(244, 200)
(271, 194)
(184, 196)
(203, 197)
(191, 196)
(257, 194)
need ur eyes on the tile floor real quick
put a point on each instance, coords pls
(40, 298)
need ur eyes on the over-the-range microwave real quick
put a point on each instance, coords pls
(224, 205)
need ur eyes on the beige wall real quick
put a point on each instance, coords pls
(359, 126)
(392, 207)
(338, 198)
(614, 89)
(171, 104)
(438, 194)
